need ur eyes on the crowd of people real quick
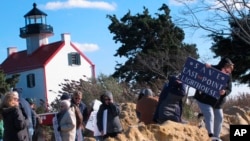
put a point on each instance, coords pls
(170, 102)
(19, 120)
(73, 116)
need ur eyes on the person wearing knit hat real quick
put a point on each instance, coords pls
(141, 94)
(65, 96)
(30, 101)
(65, 104)
(145, 107)
(211, 107)
(66, 121)
(113, 125)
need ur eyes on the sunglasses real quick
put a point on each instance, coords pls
(77, 98)
(16, 99)
(107, 99)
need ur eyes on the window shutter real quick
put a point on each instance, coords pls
(30, 80)
(70, 59)
(74, 59)
(78, 59)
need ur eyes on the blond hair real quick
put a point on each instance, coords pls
(8, 99)
(77, 94)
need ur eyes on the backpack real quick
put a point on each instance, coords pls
(79, 117)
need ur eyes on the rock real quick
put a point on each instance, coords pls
(169, 131)
(172, 131)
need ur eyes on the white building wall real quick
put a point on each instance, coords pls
(59, 69)
(37, 92)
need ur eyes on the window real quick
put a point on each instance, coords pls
(74, 59)
(31, 80)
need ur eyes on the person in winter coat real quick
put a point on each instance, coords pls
(26, 109)
(66, 121)
(211, 107)
(36, 120)
(78, 112)
(77, 100)
(145, 106)
(113, 122)
(170, 101)
(15, 123)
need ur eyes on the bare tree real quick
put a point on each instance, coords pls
(217, 17)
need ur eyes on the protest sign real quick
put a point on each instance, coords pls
(91, 124)
(92, 121)
(206, 79)
(96, 105)
(105, 116)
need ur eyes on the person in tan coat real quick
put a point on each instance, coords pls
(146, 106)
(67, 121)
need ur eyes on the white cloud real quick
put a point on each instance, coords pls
(80, 4)
(86, 47)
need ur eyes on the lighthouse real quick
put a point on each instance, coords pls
(36, 30)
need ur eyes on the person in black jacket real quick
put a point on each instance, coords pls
(211, 107)
(113, 125)
(15, 123)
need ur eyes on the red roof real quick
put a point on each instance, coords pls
(20, 61)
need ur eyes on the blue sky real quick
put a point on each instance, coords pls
(86, 21)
